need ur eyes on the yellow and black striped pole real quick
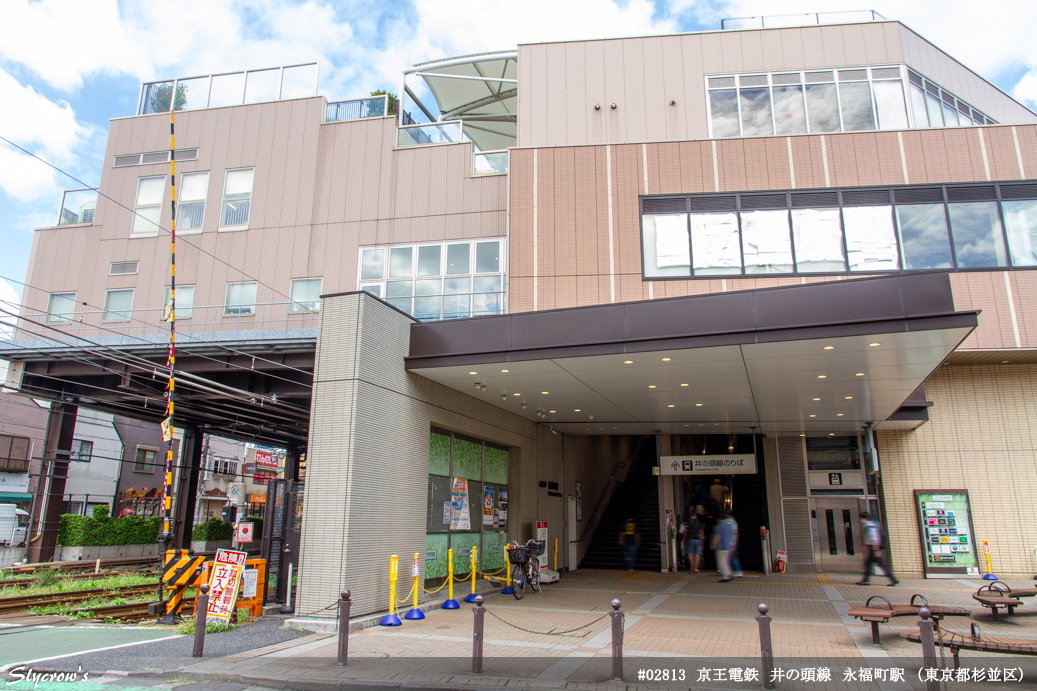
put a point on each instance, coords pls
(167, 502)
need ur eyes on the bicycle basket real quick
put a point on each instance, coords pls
(519, 555)
(537, 548)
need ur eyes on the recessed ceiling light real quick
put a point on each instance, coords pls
(813, 416)
(670, 406)
(683, 384)
(698, 405)
(577, 410)
(817, 399)
(872, 345)
(615, 428)
(651, 386)
(552, 411)
(1004, 362)
(505, 370)
(666, 359)
(473, 373)
(628, 362)
(543, 393)
(822, 376)
(516, 394)
(860, 374)
(684, 425)
(802, 435)
(839, 414)
(831, 434)
(829, 347)
(849, 398)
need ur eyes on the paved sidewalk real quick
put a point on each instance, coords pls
(674, 622)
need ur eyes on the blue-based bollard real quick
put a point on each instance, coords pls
(391, 619)
(450, 603)
(414, 613)
(507, 590)
(471, 596)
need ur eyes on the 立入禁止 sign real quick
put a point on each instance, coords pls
(721, 464)
(224, 583)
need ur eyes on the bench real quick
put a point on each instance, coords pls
(998, 595)
(878, 614)
(991, 644)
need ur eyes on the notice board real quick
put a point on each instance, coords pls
(945, 527)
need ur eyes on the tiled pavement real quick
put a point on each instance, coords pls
(674, 621)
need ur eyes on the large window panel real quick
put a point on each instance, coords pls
(241, 298)
(429, 260)
(918, 107)
(822, 108)
(400, 262)
(871, 242)
(667, 247)
(756, 112)
(190, 208)
(237, 199)
(487, 257)
(61, 308)
(372, 264)
(148, 207)
(1021, 223)
(487, 296)
(305, 294)
(766, 244)
(428, 298)
(790, 116)
(855, 98)
(976, 230)
(398, 294)
(889, 102)
(184, 301)
(818, 237)
(117, 305)
(934, 107)
(950, 115)
(458, 259)
(723, 108)
(457, 297)
(715, 244)
(923, 236)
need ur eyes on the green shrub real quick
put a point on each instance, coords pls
(86, 531)
(212, 529)
(257, 526)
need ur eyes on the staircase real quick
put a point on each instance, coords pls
(638, 498)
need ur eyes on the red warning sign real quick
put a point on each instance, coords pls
(243, 532)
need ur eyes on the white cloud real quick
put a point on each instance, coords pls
(8, 303)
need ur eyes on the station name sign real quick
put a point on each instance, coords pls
(726, 464)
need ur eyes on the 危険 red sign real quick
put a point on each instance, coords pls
(230, 556)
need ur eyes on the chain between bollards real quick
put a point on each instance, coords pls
(617, 640)
(343, 627)
(925, 636)
(480, 611)
(766, 648)
(199, 621)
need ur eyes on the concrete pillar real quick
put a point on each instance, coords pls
(665, 503)
(61, 425)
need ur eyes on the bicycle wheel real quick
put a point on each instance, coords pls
(534, 574)
(518, 580)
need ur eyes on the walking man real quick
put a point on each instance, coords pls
(693, 542)
(723, 541)
(872, 538)
(630, 541)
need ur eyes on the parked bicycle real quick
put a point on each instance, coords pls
(525, 567)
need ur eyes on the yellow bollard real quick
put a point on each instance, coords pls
(556, 554)
(451, 603)
(471, 596)
(391, 619)
(414, 612)
(507, 590)
(986, 551)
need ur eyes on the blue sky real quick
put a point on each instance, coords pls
(68, 66)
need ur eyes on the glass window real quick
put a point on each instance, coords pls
(934, 107)
(818, 238)
(458, 259)
(715, 244)
(871, 243)
(428, 260)
(766, 244)
(430, 307)
(372, 264)
(790, 116)
(924, 241)
(889, 102)
(82, 450)
(833, 453)
(148, 207)
(400, 262)
(976, 230)
(305, 294)
(184, 301)
(457, 298)
(487, 296)
(398, 294)
(950, 115)
(374, 289)
(667, 246)
(117, 305)
(1021, 223)
(190, 208)
(723, 109)
(145, 461)
(756, 112)
(487, 257)
(856, 106)
(918, 106)
(822, 108)
(60, 308)
(237, 197)
(241, 298)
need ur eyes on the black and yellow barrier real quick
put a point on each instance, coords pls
(179, 570)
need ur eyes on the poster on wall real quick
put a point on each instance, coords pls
(460, 518)
(579, 500)
(945, 527)
(502, 507)
(488, 501)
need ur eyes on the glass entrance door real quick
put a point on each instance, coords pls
(837, 526)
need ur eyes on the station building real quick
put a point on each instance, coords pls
(582, 277)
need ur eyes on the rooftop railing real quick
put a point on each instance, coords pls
(77, 206)
(806, 19)
(428, 133)
(357, 109)
(490, 162)
(450, 306)
(229, 89)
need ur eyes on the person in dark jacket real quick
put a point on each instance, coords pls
(630, 542)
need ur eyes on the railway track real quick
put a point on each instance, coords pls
(26, 582)
(23, 603)
(122, 565)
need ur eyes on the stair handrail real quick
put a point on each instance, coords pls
(599, 510)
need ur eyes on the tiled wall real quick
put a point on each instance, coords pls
(981, 436)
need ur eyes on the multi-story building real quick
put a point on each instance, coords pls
(796, 260)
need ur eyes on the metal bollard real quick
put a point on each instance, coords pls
(199, 621)
(766, 648)
(343, 627)
(480, 611)
(617, 640)
(925, 634)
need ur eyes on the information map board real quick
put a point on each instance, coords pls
(945, 526)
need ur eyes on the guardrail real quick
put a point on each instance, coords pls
(428, 133)
(77, 206)
(229, 89)
(450, 306)
(490, 162)
(357, 109)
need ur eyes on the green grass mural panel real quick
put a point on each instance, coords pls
(496, 466)
(439, 455)
(467, 459)
(462, 544)
(435, 555)
(493, 551)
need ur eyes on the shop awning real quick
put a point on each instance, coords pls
(818, 358)
(15, 496)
